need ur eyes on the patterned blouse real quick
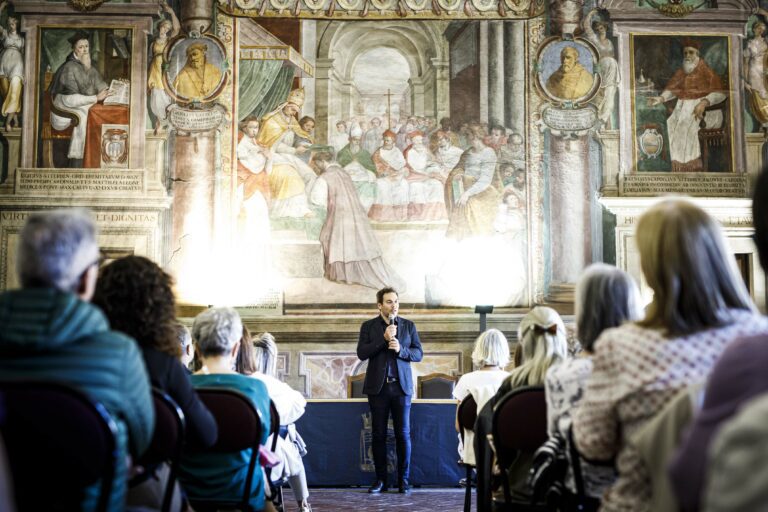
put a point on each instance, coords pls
(636, 372)
(564, 389)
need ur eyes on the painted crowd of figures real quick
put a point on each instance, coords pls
(413, 173)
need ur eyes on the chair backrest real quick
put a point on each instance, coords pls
(519, 423)
(239, 425)
(59, 443)
(238, 421)
(436, 385)
(167, 440)
(274, 423)
(467, 415)
(355, 385)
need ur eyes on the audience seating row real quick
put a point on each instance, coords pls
(60, 438)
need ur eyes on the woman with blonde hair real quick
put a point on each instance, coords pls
(700, 305)
(542, 344)
(490, 357)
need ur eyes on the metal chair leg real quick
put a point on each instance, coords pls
(468, 494)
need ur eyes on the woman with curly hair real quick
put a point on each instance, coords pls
(136, 296)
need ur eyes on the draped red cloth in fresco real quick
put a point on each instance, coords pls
(697, 84)
(99, 115)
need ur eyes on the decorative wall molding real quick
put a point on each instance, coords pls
(385, 9)
(734, 214)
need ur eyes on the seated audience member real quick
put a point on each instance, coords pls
(738, 376)
(700, 305)
(221, 476)
(658, 440)
(542, 344)
(737, 473)
(605, 297)
(137, 298)
(258, 359)
(490, 356)
(49, 331)
(187, 348)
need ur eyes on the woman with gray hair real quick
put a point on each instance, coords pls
(490, 357)
(259, 360)
(700, 305)
(606, 297)
(221, 476)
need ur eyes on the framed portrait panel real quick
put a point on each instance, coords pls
(566, 71)
(84, 81)
(196, 69)
(682, 103)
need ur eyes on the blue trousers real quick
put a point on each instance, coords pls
(391, 399)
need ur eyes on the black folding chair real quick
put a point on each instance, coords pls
(467, 415)
(275, 486)
(60, 442)
(355, 385)
(239, 425)
(519, 426)
(167, 442)
(436, 385)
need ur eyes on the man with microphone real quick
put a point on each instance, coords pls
(390, 344)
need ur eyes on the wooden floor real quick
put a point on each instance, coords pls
(358, 500)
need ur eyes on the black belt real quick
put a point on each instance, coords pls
(391, 380)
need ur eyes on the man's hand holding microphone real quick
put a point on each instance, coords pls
(390, 334)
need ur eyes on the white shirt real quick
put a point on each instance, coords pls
(290, 404)
(482, 385)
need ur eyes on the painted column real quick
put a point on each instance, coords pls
(496, 72)
(514, 75)
(570, 215)
(347, 109)
(308, 50)
(483, 65)
(417, 95)
(442, 88)
(323, 70)
(609, 142)
(192, 232)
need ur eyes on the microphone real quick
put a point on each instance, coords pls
(392, 321)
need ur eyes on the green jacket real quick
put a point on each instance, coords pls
(46, 334)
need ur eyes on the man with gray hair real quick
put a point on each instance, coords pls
(50, 332)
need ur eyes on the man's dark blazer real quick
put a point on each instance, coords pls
(372, 346)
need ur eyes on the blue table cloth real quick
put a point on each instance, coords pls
(338, 437)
